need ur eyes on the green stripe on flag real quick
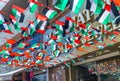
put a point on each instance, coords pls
(118, 7)
(98, 10)
(33, 7)
(78, 6)
(59, 28)
(106, 20)
(99, 2)
(61, 4)
(52, 15)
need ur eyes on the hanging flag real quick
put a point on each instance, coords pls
(114, 11)
(104, 17)
(60, 4)
(4, 59)
(51, 41)
(18, 12)
(59, 26)
(56, 53)
(69, 26)
(24, 34)
(8, 46)
(75, 5)
(14, 22)
(40, 23)
(38, 61)
(42, 27)
(100, 3)
(23, 45)
(32, 6)
(53, 47)
(4, 26)
(11, 41)
(31, 28)
(93, 7)
(49, 13)
(34, 46)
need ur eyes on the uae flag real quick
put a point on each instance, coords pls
(4, 25)
(39, 20)
(60, 4)
(49, 13)
(42, 27)
(51, 41)
(24, 34)
(14, 22)
(93, 7)
(104, 16)
(53, 47)
(18, 12)
(23, 45)
(69, 26)
(32, 6)
(56, 53)
(31, 28)
(75, 5)
(34, 46)
(114, 13)
(59, 26)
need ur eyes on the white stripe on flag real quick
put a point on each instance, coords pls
(93, 7)
(49, 13)
(31, 4)
(43, 25)
(104, 15)
(75, 4)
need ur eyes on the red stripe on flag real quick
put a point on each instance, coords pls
(24, 29)
(59, 22)
(7, 31)
(41, 17)
(107, 7)
(54, 37)
(12, 17)
(40, 31)
(82, 25)
(11, 41)
(70, 19)
(18, 8)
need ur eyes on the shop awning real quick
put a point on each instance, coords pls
(8, 76)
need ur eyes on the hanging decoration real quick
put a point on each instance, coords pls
(65, 36)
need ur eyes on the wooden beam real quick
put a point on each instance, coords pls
(113, 54)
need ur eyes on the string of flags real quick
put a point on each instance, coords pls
(65, 36)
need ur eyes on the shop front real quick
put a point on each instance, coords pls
(105, 67)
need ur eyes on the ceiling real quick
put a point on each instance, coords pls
(16, 35)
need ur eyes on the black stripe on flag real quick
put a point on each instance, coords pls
(88, 5)
(39, 24)
(100, 15)
(66, 26)
(45, 11)
(114, 10)
(22, 18)
(71, 4)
